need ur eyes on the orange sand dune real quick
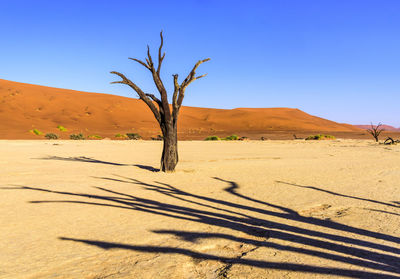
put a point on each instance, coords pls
(24, 107)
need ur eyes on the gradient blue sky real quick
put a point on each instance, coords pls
(337, 59)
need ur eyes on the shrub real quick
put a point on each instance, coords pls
(320, 137)
(159, 137)
(51, 136)
(61, 128)
(212, 138)
(36, 132)
(94, 137)
(133, 136)
(233, 137)
(77, 136)
(120, 136)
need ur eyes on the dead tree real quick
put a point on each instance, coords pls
(161, 109)
(375, 131)
(390, 141)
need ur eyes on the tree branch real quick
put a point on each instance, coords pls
(191, 77)
(141, 62)
(141, 94)
(160, 57)
(149, 60)
(176, 90)
(188, 80)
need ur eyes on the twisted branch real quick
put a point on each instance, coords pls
(141, 94)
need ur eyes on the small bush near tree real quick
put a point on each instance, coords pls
(212, 138)
(159, 137)
(51, 136)
(133, 136)
(321, 137)
(79, 136)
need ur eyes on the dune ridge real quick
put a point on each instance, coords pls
(25, 106)
(384, 126)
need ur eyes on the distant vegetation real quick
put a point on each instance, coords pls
(94, 137)
(61, 128)
(232, 137)
(212, 138)
(159, 137)
(321, 137)
(120, 136)
(36, 132)
(133, 136)
(77, 136)
(51, 136)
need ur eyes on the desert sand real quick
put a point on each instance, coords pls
(24, 107)
(256, 209)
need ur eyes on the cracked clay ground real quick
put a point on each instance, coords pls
(272, 209)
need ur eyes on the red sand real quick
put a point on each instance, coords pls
(24, 107)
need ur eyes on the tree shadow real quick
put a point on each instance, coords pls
(92, 160)
(363, 249)
(393, 204)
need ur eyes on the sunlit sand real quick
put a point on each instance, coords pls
(271, 209)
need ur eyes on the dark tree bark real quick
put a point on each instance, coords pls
(375, 131)
(167, 119)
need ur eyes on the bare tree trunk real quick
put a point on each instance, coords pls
(165, 118)
(169, 158)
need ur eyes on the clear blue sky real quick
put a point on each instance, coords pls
(337, 59)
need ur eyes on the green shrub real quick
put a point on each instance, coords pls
(51, 136)
(94, 137)
(212, 138)
(233, 137)
(120, 136)
(133, 136)
(36, 132)
(61, 128)
(320, 137)
(77, 137)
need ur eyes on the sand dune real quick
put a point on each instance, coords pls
(24, 107)
(385, 127)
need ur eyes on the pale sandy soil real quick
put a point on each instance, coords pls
(272, 209)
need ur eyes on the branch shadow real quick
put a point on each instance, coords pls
(393, 204)
(85, 159)
(259, 231)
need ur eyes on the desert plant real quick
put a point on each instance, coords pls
(133, 136)
(51, 136)
(375, 131)
(159, 137)
(79, 136)
(94, 137)
(62, 128)
(390, 141)
(36, 132)
(120, 136)
(233, 137)
(320, 137)
(212, 138)
(167, 119)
